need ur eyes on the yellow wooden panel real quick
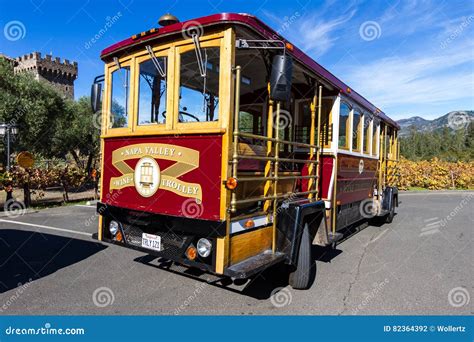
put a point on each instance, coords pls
(246, 245)
(221, 255)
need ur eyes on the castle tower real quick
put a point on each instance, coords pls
(59, 74)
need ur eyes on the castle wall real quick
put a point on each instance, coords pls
(61, 74)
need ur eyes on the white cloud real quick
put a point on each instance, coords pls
(315, 32)
(315, 35)
(416, 79)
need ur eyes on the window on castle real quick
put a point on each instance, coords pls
(120, 97)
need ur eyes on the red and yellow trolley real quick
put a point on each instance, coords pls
(226, 148)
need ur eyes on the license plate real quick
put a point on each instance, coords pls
(151, 241)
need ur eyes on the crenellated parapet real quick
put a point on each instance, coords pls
(60, 73)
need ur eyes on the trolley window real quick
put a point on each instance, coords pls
(367, 133)
(199, 86)
(356, 131)
(120, 97)
(344, 116)
(152, 92)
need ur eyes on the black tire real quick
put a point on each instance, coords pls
(391, 214)
(303, 277)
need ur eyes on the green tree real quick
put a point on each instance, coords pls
(444, 144)
(48, 124)
(78, 133)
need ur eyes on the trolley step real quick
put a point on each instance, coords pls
(255, 264)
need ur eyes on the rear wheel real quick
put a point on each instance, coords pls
(303, 276)
(391, 214)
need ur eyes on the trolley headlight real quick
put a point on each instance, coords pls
(113, 227)
(204, 247)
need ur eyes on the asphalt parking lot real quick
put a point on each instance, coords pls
(422, 263)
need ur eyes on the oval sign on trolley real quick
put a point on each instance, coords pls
(25, 159)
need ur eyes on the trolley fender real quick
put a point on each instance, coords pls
(292, 218)
(390, 198)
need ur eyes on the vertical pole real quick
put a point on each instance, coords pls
(334, 196)
(384, 158)
(235, 155)
(318, 142)
(275, 173)
(311, 142)
(268, 164)
(379, 182)
(8, 146)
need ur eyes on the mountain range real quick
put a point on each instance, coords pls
(453, 120)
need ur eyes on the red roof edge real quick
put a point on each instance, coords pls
(267, 32)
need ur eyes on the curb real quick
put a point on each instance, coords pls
(27, 211)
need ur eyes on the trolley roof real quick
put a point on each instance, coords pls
(263, 30)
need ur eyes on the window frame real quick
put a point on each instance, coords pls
(159, 51)
(376, 136)
(110, 69)
(357, 131)
(367, 138)
(226, 41)
(347, 146)
(189, 126)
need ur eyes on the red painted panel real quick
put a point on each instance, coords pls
(356, 177)
(204, 172)
(325, 172)
(327, 163)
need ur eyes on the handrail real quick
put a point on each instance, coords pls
(250, 179)
(285, 142)
(275, 197)
(288, 160)
(272, 158)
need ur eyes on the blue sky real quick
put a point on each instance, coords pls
(407, 57)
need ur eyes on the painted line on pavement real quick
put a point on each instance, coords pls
(46, 227)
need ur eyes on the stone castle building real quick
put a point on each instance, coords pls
(60, 74)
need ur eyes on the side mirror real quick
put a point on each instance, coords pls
(280, 79)
(96, 94)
